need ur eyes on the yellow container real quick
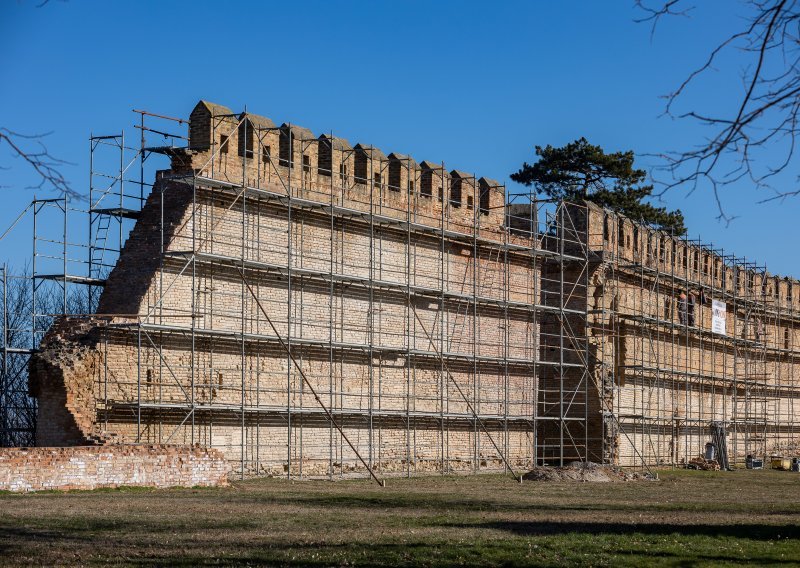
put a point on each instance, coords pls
(781, 463)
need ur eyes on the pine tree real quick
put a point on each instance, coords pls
(582, 171)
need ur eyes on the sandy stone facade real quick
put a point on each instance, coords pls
(275, 279)
(662, 370)
(95, 467)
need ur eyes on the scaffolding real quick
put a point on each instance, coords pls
(17, 410)
(418, 377)
(68, 265)
(451, 353)
(669, 374)
(314, 309)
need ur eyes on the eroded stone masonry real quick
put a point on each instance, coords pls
(96, 467)
(274, 275)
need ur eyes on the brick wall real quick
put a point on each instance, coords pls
(205, 365)
(665, 381)
(63, 378)
(38, 469)
(198, 382)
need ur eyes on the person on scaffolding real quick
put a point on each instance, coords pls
(682, 308)
(692, 303)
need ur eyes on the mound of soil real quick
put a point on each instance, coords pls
(583, 471)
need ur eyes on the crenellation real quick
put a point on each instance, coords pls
(403, 174)
(491, 202)
(335, 158)
(652, 299)
(297, 150)
(364, 172)
(252, 134)
(462, 192)
(202, 123)
(370, 165)
(399, 289)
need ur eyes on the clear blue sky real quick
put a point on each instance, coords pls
(475, 84)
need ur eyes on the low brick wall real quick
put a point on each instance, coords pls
(93, 467)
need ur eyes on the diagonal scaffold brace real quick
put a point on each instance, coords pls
(466, 400)
(381, 482)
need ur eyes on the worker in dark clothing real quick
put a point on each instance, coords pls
(692, 303)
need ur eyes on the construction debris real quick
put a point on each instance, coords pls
(716, 454)
(701, 462)
(584, 471)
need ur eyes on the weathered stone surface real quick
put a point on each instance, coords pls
(94, 467)
(397, 407)
(415, 260)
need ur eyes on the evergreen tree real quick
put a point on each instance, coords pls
(582, 171)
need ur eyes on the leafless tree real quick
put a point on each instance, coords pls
(32, 150)
(22, 326)
(756, 139)
(17, 409)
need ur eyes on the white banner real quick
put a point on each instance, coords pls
(718, 317)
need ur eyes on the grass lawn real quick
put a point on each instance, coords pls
(689, 518)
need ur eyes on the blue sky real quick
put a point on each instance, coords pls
(475, 84)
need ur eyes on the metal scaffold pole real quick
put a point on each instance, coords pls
(433, 331)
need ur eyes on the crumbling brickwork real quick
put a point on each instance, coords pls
(63, 380)
(40, 469)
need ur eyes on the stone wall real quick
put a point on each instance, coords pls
(400, 290)
(39, 469)
(368, 298)
(661, 370)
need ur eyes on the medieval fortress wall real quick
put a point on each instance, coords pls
(669, 367)
(274, 276)
(285, 295)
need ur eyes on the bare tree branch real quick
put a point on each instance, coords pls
(654, 15)
(32, 150)
(758, 137)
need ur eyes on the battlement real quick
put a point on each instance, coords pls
(250, 149)
(270, 264)
(637, 245)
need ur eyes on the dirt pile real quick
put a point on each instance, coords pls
(580, 471)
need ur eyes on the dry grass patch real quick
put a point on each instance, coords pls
(688, 518)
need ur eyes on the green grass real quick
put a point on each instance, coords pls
(686, 519)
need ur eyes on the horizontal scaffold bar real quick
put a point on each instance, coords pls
(321, 344)
(325, 276)
(367, 217)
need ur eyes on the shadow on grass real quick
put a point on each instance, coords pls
(559, 543)
(744, 531)
(98, 532)
(378, 501)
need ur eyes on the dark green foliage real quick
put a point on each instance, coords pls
(581, 171)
